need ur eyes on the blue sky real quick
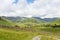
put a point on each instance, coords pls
(29, 8)
(30, 1)
(15, 1)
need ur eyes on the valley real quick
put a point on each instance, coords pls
(22, 28)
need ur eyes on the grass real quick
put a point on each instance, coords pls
(7, 22)
(6, 34)
(10, 34)
(39, 29)
(46, 38)
(52, 30)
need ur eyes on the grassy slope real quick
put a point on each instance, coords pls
(4, 21)
(30, 20)
(56, 21)
(6, 34)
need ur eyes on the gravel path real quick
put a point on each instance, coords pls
(55, 38)
(37, 38)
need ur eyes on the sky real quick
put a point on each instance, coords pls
(29, 8)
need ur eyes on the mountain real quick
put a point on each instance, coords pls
(17, 19)
(4, 21)
(13, 19)
(57, 21)
(25, 19)
(49, 19)
(31, 20)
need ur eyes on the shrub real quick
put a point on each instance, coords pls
(55, 25)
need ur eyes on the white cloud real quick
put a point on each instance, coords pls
(42, 8)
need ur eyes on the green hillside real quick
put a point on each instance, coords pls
(25, 19)
(13, 19)
(4, 21)
(30, 20)
(28, 31)
(45, 34)
(6, 34)
(56, 21)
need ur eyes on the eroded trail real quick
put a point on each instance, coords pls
(55, 38)
(37, 37)
(40, 36)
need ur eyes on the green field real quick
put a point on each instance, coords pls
(10, 34)
(27, 29)
(7, 22)
(6, 34)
